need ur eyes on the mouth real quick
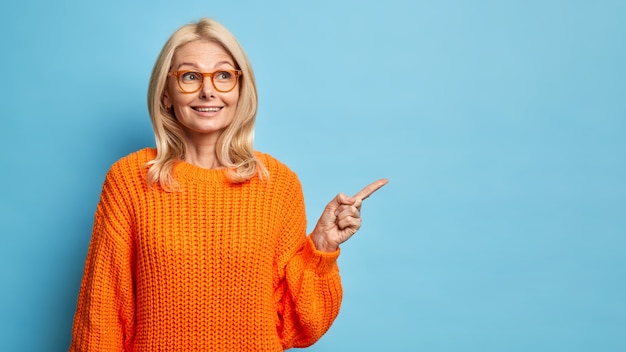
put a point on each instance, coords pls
(207, 108)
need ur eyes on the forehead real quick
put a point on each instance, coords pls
(201, 53)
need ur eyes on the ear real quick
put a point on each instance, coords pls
(166, 101)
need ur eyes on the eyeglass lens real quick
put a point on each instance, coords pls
(223, 81)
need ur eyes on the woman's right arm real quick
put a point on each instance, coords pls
(104, 318)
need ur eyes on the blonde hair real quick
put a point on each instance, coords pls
(234, 147)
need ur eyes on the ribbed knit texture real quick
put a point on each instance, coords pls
(215, 267)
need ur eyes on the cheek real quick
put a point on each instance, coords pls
(232, 99)
(179, 99)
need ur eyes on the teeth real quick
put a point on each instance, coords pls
(207, 109)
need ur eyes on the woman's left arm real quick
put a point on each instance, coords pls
(308, 286)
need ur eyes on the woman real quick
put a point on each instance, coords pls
(200, 244)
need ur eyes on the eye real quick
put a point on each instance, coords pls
(223, 75)
(191, 76)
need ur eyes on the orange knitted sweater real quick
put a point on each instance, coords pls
(215, 267)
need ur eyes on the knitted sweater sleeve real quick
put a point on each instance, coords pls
(104, 318)
(308, 290)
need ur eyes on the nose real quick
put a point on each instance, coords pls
(207, 86)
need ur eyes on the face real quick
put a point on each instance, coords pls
(207, 112)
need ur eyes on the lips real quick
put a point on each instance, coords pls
(207, 108)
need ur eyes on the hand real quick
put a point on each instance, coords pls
(341, 218)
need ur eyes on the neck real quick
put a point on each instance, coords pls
(204, 156)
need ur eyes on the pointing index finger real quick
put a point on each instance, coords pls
(370, 189)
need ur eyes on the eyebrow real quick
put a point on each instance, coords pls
(220, 63)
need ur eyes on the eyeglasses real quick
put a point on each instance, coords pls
(192, 81)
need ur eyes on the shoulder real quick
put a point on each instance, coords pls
(279, 173)
(125, 179)
(274, 166)
(132, 164)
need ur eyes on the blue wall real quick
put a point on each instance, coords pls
(501, 126)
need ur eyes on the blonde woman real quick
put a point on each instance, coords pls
(200, 244)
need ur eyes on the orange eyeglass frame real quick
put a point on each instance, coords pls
(177, 74)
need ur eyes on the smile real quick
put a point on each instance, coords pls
(207, 109)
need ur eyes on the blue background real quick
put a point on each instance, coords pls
(501, 126)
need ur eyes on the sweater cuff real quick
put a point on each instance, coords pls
(318, 261)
